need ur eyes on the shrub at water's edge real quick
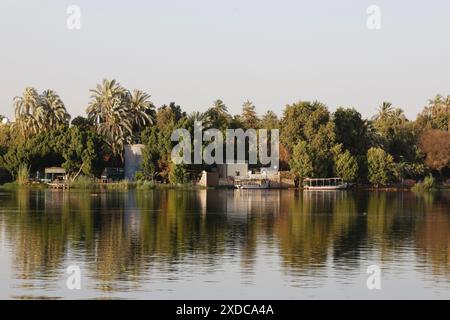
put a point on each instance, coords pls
(426, 185)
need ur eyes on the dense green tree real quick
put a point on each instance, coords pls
(81, 123)
(151, 154)
(270, 121)
(396, 135)
(249, 118)
(351, 130)
(178, 174)
(436, 115)
(301, 163)
(301, 121)
(345, 165)
(310, 122)
(380, 166)
(81, 150)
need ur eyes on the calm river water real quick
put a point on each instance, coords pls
(206, 244)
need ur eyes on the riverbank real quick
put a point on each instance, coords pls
(142, 185)
(112, 186)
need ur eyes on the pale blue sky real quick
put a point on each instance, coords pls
(193, 52)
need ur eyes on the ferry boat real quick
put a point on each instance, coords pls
(324, 184)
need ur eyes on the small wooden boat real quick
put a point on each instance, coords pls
(324, 184)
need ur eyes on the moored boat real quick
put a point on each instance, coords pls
(324, 184)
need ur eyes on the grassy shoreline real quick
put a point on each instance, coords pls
(143, 185)
(113, 186)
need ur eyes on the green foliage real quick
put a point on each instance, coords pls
(395, 134)
(301, 163)
(218, 117)
(345, 165)
(123, 185)
(249, 117)
(269, 121)
(145, 185)
(81, 150)
(178, 174)
(70, 148)
(139, 176)
(436, 115)
(158, 146)
(81, 123)
(351, 130)
(380, 166)
(310, 122)
(313, 142)
(36, 113)
(426, 185)
(119, 115)
(302, 121)
(83, 183)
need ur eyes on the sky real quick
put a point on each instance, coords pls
(194, 52)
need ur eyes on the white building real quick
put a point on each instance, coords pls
(133, 160)
(232, 170)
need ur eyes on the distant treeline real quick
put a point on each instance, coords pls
(314, 142)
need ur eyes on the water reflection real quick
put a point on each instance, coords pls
(129, 240)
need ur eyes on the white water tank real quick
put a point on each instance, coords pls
(133, 160)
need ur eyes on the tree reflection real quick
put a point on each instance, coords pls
(124, 237)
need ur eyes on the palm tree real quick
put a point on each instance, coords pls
(219, 107)
(104, 98)
(52, 113)
(35, 113)
(109, 111)
(142, 110)
(196, 116)
(27, 103)
(24, 109)
(384, 111)
(217, 116)
(118, 114)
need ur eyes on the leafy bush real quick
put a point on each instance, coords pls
(380, 166)
(178, 174)
(145, 185)
(121, 185)
(83, 183)
(426, 185)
